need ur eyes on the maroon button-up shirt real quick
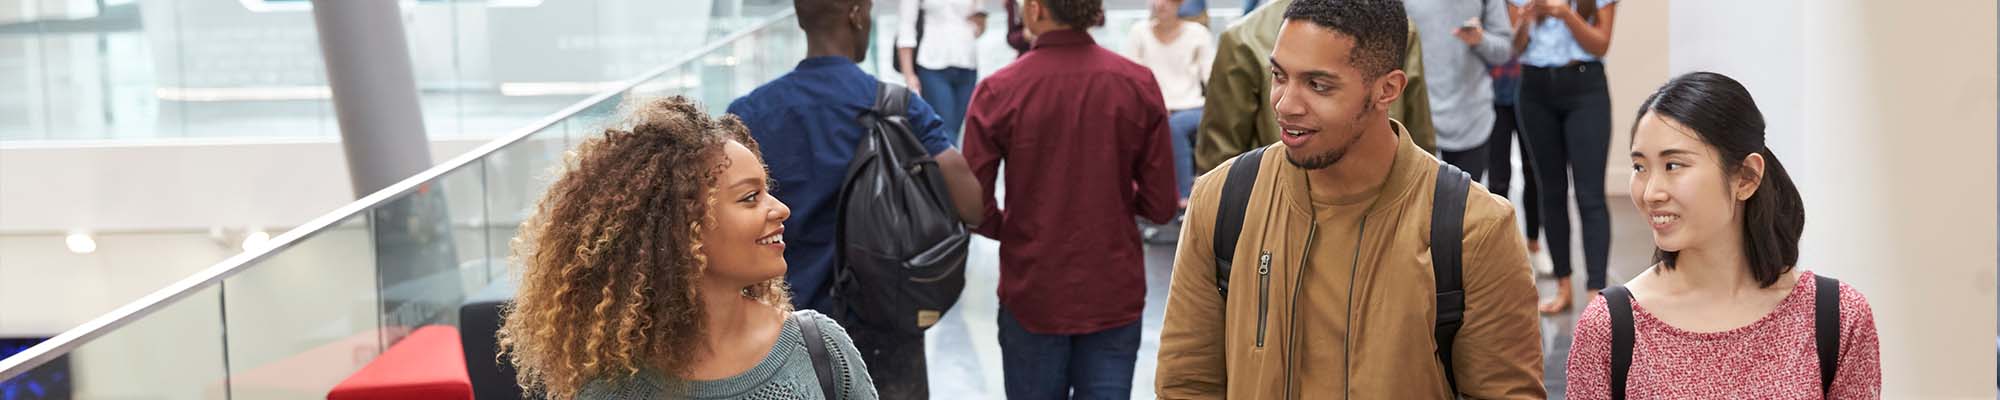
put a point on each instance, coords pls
(1085, 137)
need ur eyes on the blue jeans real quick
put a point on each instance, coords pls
(1088, 366)
(948, 90)
(1184, 123)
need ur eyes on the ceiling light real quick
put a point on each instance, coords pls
(80, 243)
(255, 239)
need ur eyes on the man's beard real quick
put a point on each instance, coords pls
(1331, 157)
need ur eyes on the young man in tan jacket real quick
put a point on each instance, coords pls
(1237, 115)
(1333, 291)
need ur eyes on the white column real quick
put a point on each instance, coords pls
(374, 91)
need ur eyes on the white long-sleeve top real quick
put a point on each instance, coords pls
(1181, 67)
(948, 39)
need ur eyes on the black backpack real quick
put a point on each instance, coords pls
(901, 245)
(1826, 333)
(1447, 242)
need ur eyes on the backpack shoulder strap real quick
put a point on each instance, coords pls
(892, 99)
(1236, 189)
(816, 348)
(1447, 258)
(1620, 302)
(1826, 329)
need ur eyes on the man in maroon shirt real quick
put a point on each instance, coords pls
(1084, 135)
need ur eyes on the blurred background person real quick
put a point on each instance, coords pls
(1179, 52)
(1461, 39)
(1565, 110)
(937, 52)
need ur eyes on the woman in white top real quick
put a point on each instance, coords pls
(944, 65)
(1179, 52)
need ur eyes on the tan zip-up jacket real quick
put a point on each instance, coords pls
(1210, 347)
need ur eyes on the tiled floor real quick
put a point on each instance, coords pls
(965, 354)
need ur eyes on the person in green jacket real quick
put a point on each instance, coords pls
(1238, 116)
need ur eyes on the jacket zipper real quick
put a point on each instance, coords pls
(1353, 271)
(1263, 293)
(1292, 316)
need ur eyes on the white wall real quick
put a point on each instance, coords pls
(45, 289)
(1636, 64)
(176, 185)
(150, 208)
(1884, 113)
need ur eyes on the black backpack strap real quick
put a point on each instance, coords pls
(1447, 260)
(1826, 329)
(892, 100)
(816, 348)
(1620, 302)
(1826, 333)
(1236, 189)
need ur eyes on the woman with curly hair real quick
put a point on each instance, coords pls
(653, 268)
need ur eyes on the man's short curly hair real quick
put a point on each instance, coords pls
(1078, 14)
(1379, 27)
(611, 261)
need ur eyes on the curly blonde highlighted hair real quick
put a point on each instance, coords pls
(611, 262)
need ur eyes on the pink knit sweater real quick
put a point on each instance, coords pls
(1773, 358)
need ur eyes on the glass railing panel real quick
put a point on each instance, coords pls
(172, 353)
(239, 68)
(22, 112)
(58, 57)
(517, 176)
(303, 319)
(294, 322)
(593, 120)
(424, 273)
(437, 60)
(465, 199)
(154, 69)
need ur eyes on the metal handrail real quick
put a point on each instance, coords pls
(69, 340)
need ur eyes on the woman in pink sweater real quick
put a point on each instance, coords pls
(1723, 312)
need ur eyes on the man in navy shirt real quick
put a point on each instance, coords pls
(807, 123)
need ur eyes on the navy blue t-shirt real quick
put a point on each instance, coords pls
(807, 124)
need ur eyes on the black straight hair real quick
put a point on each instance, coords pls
(1720, 111)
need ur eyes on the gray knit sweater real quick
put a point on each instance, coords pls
(786, 373)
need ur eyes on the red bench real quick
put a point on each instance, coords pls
(428, 364)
